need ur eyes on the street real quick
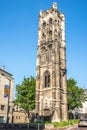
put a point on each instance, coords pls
(79, 128)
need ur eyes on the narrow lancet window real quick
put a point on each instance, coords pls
(47, 79)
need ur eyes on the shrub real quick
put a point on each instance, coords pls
(65, 123)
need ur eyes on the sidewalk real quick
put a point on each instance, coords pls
(74, 127)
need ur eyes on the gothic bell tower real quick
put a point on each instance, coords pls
(51, 90)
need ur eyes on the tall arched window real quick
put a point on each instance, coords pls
(47, 79)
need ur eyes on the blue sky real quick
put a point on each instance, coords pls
(19, 30)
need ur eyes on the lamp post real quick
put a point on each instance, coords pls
(7, 120)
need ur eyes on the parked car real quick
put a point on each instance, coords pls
(82, 122)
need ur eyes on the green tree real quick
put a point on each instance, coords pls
(25, 95)
(76, 95)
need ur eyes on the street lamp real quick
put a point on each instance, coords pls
(7, 120)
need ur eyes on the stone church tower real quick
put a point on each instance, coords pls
(51, 90)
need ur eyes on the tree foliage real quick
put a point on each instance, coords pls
(25, 95)
(76, 95)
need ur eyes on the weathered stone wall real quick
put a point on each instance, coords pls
(51, 58)
(6, 79)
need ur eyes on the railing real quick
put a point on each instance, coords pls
(36, 126)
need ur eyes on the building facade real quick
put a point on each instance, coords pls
(51, 90)
(6, 96)
(82, 112)
(19, 115)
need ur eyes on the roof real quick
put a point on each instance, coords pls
(5, 72)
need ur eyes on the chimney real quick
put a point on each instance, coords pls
(3, 67)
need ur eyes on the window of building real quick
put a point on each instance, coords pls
(1, 119)
(44, 36)
(59, 35)
(58, 21)
(50, 20)
(50, 46)
(47, 79)
(50, 34)
(2, 107)
(44, 24)
(43, 49)
(9, 108)
(17, 117)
